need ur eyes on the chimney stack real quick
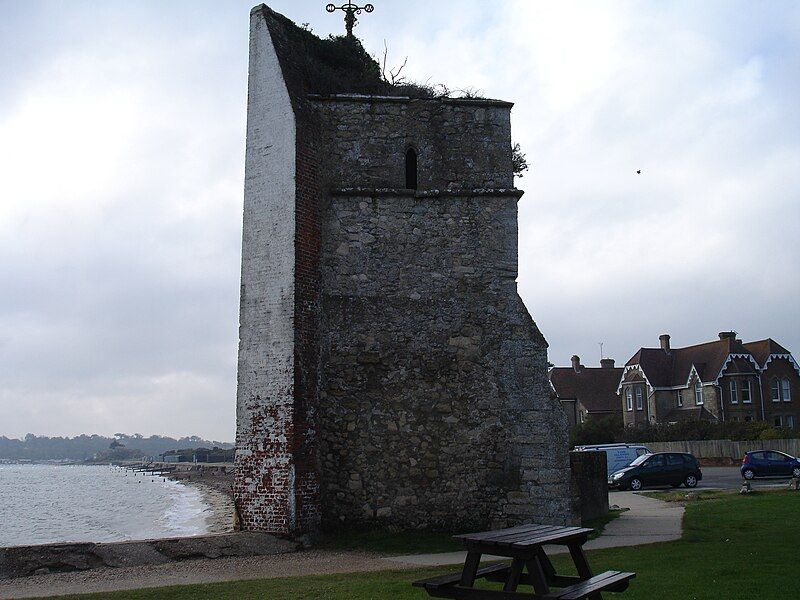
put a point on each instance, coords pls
(664, 338)
(727, 335)
(576, 362)
(607, 363)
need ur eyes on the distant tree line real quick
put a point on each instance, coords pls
(208, 455)
(85, 447)
(610, 429)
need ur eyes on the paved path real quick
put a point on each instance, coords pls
(648, 521)
(297, 564)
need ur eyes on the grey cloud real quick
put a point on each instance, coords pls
(120, 299)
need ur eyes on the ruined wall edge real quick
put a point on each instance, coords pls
(265, 480)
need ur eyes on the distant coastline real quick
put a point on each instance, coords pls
(80, 448)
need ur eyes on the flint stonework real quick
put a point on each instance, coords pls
(389, 373)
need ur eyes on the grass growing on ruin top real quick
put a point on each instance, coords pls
(735, 547)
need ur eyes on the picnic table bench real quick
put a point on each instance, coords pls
(529, 565)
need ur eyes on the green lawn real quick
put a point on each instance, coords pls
(391, 544)
(419, 542)
(733, 548)
(686, 497)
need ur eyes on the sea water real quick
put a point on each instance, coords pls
(41, 504)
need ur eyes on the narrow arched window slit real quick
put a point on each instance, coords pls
(411, 169)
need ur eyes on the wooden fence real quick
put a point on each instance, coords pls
(725, 449)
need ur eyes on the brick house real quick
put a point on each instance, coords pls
(723, 380)
(587, 391)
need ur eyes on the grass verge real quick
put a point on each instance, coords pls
(734, 547)
(692, 496)
(388, 544)
(419, 542)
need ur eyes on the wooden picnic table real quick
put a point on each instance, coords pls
(525, 546)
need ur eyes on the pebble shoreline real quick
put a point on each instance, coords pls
(217, 491)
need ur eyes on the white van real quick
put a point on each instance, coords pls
(618, 456)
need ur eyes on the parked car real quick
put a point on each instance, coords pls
(769, 463)
(618, 456)
(662, 468)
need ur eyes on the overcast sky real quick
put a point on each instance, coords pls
(121, 175)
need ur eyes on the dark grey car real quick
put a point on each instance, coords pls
(662, 468)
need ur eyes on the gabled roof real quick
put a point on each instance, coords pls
(656, 364)
(763, 348)
(741, 365)
(594, 387)
(673, 368)
(707, 359)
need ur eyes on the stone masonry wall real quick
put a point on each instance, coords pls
(590, 483)
(388, 371)
(435, 408)
(461, 144)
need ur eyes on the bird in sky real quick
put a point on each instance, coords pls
(639, 172)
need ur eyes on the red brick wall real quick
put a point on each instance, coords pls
(307, 300)
(276, 488)
(782, 369)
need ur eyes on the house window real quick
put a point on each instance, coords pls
(746, 392)
(680, 397)
(748, 418)
(778, 421)
(734, 392)
(411, 169)
(786, 392)
(789, 421)
(698, 393)
(639, 401)
(775, 390)
(629, 399)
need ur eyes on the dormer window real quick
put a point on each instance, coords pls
(411, 169)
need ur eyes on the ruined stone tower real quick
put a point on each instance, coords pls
(389, 372)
